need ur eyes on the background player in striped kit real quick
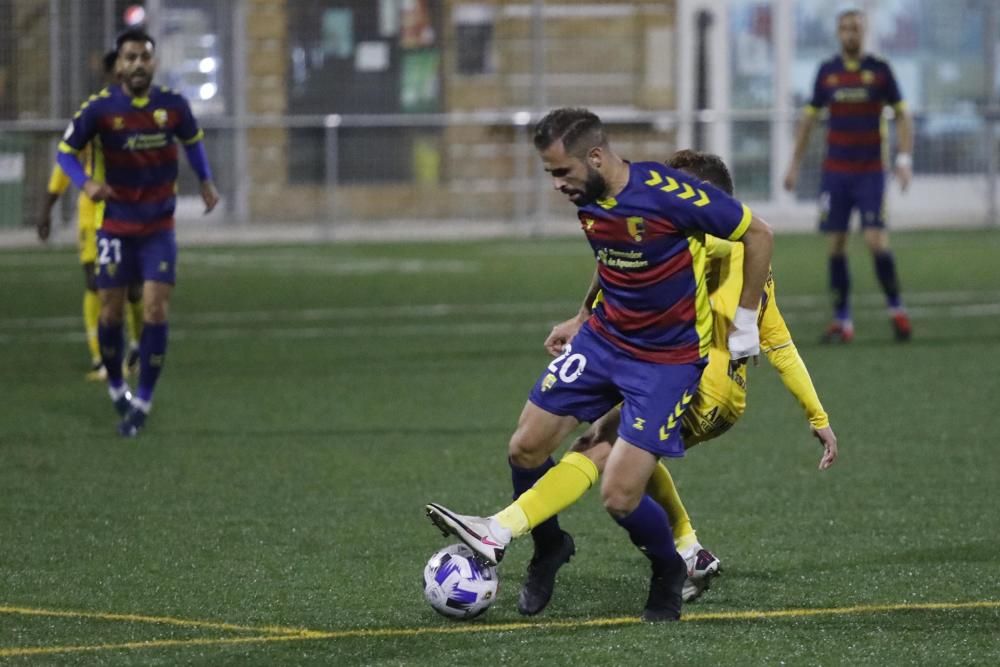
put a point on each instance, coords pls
(856, 86)
(135, 127)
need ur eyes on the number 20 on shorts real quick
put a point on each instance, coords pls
(568, 365)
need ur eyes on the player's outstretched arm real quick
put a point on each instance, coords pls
(903, 169)
(43, 225)
(801, 141)
(58, 184)
(194, 148)
(209, 195)
(795, 376)
(828, 441)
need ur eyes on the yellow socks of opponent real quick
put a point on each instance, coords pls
(566, 483)
(91, 314)
(661, 488)
(559, 488)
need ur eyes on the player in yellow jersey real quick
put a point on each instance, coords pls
(87, 222)
(719, 402)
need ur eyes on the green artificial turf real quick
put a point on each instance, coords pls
(315, 397)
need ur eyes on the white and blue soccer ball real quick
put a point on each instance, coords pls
(457, 585)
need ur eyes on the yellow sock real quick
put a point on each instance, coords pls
(133, 314)
(91, 315)
(662, 490)
(559, 488)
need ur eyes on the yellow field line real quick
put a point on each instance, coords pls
(290, 634)
(155, 643)
(137, 618)
(635, 620)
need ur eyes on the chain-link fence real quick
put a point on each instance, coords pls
(343, 113)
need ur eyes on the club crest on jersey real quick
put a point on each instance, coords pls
(831, 80)
(117, 123)
(636, 227)
(160, 116)
(547, 383)
(867, 76)
(588, 225)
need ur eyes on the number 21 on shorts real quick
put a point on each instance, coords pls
(109, 251)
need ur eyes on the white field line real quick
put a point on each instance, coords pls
(798, 308)
(332, 266)
(531, 326)
(332, 333)
(364, 313)
(276, 265)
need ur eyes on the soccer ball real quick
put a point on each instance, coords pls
(457, 585)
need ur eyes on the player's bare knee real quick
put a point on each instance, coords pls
(154, 312)
(617, 501)
(112, 307)
(526, 451)
(877, 240)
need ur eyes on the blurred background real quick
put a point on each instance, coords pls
(349, 117)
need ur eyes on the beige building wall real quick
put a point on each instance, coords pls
(30, 75)
(266, 87)
(602, 60)
(598, 55)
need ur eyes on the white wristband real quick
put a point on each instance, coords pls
(904, 161)
(745, 318)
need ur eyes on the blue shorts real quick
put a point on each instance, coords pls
(842, 193)
(124, 260)
(592, 376)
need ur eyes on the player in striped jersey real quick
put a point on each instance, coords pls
(133, 128)
(86, 213)
(644, 346)
(718, 404)
(855, 87)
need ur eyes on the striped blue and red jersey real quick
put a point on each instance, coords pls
(649, 241)
(855, 92)
(135, 153)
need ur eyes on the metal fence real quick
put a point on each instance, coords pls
(340, 114)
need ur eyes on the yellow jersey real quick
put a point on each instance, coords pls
(721, 398)
(87, 212)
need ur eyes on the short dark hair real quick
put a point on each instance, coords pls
(579, 129)
(850, 11)
(705, 166)
(110, 58)
(133, 35)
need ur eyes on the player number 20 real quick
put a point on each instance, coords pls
(569, 366)
(110, 251)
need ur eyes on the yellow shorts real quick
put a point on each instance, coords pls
(719, 403)
(87, 229)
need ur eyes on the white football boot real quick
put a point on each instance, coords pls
(483, 535)
(702, 566)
